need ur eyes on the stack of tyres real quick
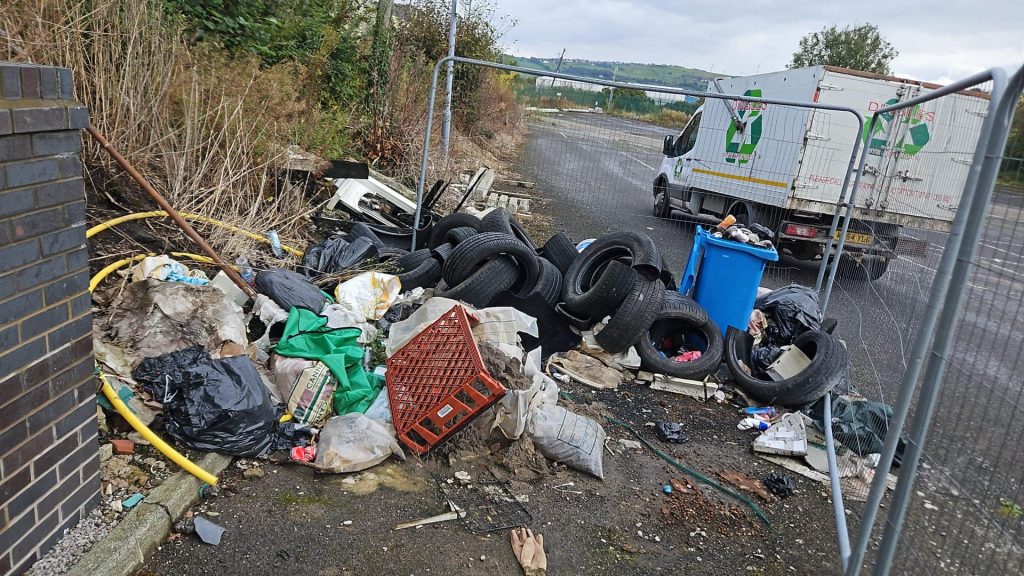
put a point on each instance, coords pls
(622, 276)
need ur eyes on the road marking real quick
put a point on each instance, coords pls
(742, 178)
(649, 167)
(563, 135)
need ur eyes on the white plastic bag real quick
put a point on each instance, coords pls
(573, 440)
(353, 442)
(369, 294)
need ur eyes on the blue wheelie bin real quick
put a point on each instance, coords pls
(723, 276)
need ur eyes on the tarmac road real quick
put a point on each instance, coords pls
(595, 174)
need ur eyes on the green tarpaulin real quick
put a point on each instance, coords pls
(306, 335)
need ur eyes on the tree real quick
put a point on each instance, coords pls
(858, 47)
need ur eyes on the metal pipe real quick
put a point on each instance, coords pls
(940, 287)
(994, 145)
(166, 206)
(426, 149)
(446, 125)
(838, 507)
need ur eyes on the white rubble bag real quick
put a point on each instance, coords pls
(573, 440)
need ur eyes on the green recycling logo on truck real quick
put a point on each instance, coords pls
(740, 144)
(911, 140)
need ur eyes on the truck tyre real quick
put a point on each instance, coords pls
(412, 260)
(828, 362)
(549, 284)
(360, 230)
(471, 253)
(484, 285)
(869, 267)
(662, 208)
(440, 229)
(667, 278)
(676, 324)
(499, 220)
(425, 275)
(456, 235)
(633, 318)
(596, 298)
(634, 248)
(560, 251)
(676, 301)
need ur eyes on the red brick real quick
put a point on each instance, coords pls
(122, 446)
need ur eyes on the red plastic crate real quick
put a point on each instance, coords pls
(437, 383)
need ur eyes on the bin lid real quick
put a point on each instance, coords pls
(768, 254)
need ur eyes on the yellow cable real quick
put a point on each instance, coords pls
(197, 217)
(150, 436)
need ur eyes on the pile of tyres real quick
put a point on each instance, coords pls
(619, 286)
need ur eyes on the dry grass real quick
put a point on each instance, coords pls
(204, 131)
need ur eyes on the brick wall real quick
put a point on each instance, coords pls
(49, 466)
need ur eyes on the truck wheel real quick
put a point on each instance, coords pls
(868, 267)
(661, 205)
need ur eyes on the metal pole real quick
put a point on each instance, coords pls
(166, 207)
(426, 149)
(994, 144)
(940, 287)
(446, 126)
(838, 507)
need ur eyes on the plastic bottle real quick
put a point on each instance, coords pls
(769, 411)
(275, 243)
(726, 222)
(245, 271)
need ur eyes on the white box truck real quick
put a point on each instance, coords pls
(784, 166)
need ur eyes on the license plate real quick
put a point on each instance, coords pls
(856, 237)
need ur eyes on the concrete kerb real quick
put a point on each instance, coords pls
(123, 551)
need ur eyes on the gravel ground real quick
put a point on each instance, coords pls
(75, 543)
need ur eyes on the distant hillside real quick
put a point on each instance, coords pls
(662, 74)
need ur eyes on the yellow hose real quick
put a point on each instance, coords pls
(197, 217)
(150, 436)
(106, 271)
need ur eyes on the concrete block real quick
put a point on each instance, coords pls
(5, 122)
(49, 84)
(53, 143)
(30, 82)
(15, 147)
(32, 172)
(78, 117)
(67, 86)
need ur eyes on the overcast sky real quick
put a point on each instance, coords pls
(939, 40)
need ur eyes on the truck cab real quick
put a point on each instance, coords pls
(671, 190)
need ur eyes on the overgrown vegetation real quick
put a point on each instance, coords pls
(628, 103)
(658, 74)
(205, 97)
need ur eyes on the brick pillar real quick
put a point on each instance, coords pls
(49, 464)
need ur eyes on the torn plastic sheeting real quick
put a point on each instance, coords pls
(207, 531)
(368, 295)
(513, 410)
(336, 254)
(586, 369)
(500, 325)
(221, 406)
(153, 317)
(290, 290)
(306, 335)
(860, 425)
(793, 310)
(168, 269)
(353, 442)
(154, 372)
(339, 316)
(273, 317)
(380, 410)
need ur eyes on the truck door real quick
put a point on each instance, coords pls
(682, 156)
(889, 145)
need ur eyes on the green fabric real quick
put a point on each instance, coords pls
(306, 335)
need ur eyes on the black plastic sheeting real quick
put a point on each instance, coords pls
(336, 254)
(154, 373)
(779, 484)
(670, 432)
(290, 290)
(761, 358)
(860, 425)
(791, 311)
